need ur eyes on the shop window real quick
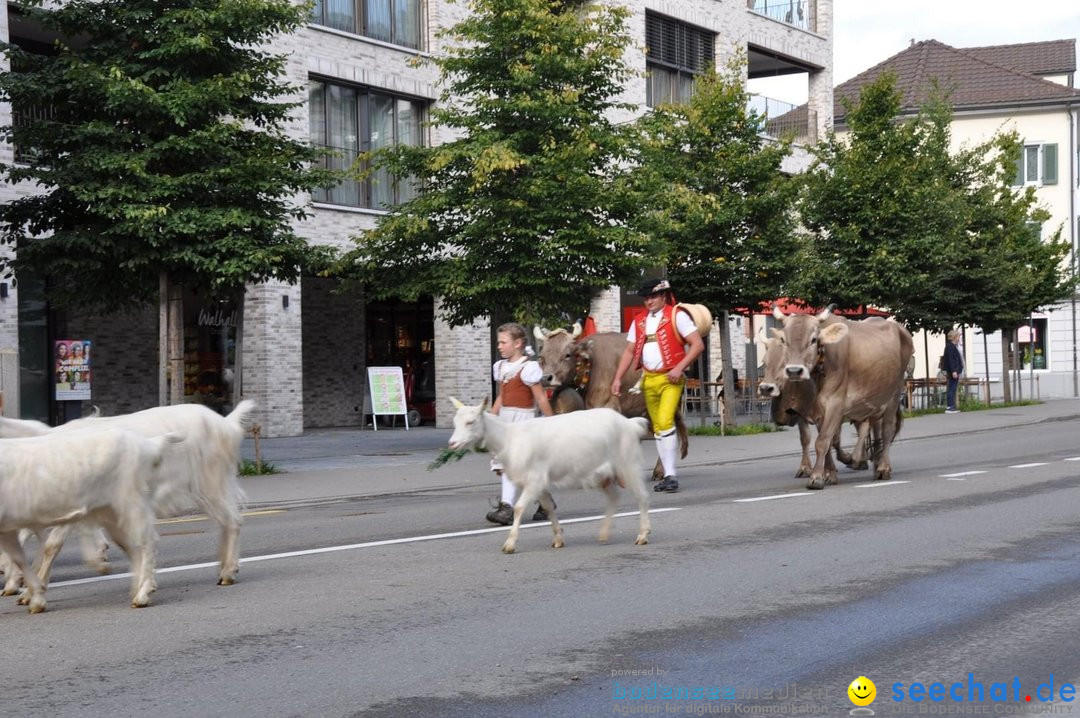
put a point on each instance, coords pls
(1032, 347)
(210, 352)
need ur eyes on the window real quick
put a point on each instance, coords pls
(394, 21)
(1031, 345)
(1037, 165)
(676, 53)
(352, 120)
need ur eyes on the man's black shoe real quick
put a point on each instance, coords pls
(503, 514)
(540, 514)
(668, 485)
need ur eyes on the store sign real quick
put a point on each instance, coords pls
(386, 385)
(71, 375)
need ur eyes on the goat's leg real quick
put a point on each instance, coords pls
(35, 591)
(612, 492)
(634, 483)
(12, 576)
(228, 553)
(528, 495)
(94, 547)
(548, 505)
(50, 549)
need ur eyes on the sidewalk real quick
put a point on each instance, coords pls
(325, 465)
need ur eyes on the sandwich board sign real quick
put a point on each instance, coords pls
(386, 386)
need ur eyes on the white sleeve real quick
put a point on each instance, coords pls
(631, 333)
(684, 324)
(531, 373)
(496, 369)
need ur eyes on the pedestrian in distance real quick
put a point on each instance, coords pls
(520, 394)
(663, 342)
(954, 367)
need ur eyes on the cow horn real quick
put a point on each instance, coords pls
(827, 312)
(780, 316)
(576, 331)
(540, 333)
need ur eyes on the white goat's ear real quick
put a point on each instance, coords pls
(576, 331)
(777, 333)
(457, 404)
(833, 333)
(540, 333)
(484, 405)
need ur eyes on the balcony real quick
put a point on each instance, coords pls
(784, 120)
(798, 13)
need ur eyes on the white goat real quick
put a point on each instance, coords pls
(98, 475)
(591, 449)
(201, 472)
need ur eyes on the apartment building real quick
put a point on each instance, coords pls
(305, 348)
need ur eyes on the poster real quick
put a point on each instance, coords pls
(386, 385)
(71, 375)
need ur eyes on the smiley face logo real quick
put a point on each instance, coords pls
(862, 691)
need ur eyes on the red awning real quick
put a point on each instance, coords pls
(797, 306)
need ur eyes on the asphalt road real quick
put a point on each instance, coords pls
(773, 606)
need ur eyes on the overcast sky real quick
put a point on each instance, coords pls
(869, 31)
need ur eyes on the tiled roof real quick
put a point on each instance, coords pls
(1054, 57)
(973, 81)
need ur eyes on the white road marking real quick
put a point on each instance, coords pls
(960, 475)
(776, 496)
(880, 483)
(348, 547)
(1028, 466)
(1072, 458)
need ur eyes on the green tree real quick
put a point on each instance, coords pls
(717, 200)
(159, 147)
(525, 214)
(885, 207)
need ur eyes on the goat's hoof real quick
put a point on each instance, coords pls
(557, 543)
(226, 581)
(22, 600)
(37, 607)
(641, 541)
(10, 592)
(508, 548)
(140, 602)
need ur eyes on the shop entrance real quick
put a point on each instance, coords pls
(403, 334)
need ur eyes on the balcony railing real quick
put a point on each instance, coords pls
(783, 119)
(793, 12)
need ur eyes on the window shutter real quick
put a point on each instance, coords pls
(1049, 164)
(1018, 180)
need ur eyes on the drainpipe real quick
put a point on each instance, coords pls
(1072, 235)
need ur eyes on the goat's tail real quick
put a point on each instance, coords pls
(240, 415)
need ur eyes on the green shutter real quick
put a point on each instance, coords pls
(1018, 180)
(1049, 164)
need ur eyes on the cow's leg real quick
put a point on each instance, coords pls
(821, 473)
(548, 505)
(528, 494)
(883, 468)
(804, 441)
(35, 590)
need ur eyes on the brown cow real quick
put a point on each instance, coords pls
(589, 367)
(852, 371)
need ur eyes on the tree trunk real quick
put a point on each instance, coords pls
(986, 366)
(729, 379)
(163, 339)
(176, 344)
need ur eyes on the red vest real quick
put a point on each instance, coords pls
(672, 349)
(515, 393)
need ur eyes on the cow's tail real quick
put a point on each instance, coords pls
(684, 439)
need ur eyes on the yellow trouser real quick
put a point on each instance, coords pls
(661, 399)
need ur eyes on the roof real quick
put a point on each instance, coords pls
(1053, 57)
(974, 78)
(790, 305)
